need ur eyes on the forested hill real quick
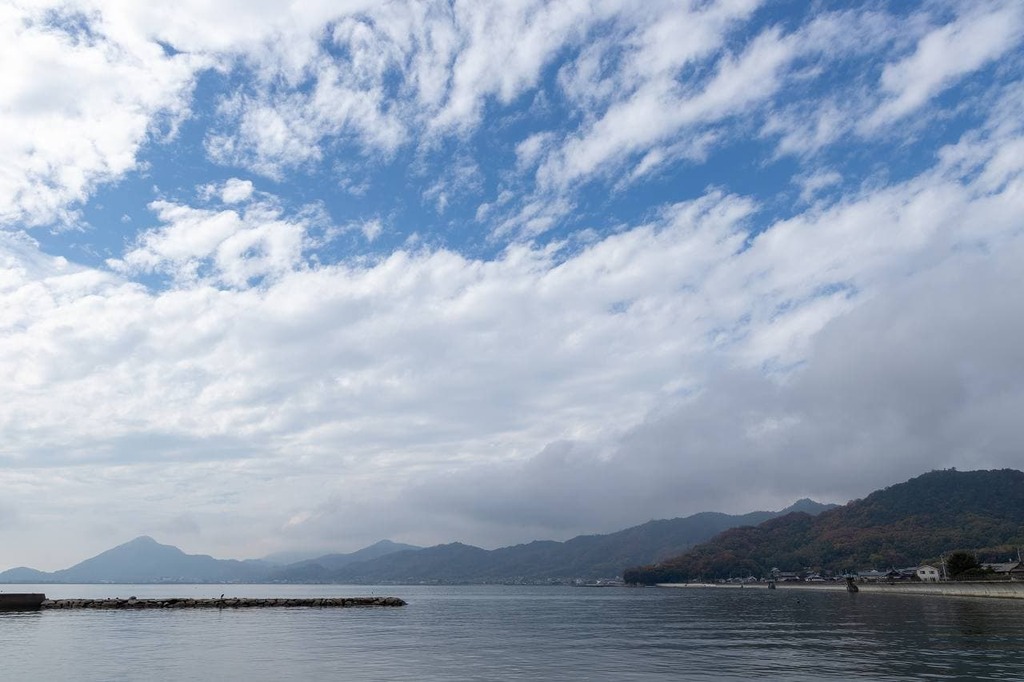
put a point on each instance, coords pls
(902, 525)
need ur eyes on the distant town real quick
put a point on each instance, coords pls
(1010, 570)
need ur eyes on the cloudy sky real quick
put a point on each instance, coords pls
(311, 274)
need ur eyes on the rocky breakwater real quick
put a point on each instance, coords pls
(221, 603)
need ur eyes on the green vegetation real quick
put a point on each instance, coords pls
(902, 525)
(960, 563)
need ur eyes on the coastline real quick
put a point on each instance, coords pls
(988, 590)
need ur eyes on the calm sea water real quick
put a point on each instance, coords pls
(520, 633)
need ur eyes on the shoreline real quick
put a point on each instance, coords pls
(987, 590)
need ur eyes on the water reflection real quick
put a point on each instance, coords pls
(516, 633)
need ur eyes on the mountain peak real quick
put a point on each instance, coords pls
(808, 506)
(142, 540)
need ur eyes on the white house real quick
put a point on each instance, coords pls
(928, 574)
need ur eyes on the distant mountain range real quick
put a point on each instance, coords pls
(588, 557)
(903, 525)
(320, 569)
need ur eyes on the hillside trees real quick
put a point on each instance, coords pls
(899, 526)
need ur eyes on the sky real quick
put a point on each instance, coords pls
(301, 276)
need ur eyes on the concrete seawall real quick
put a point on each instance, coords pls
(235, 603)
(1000, 590)
(992, 590)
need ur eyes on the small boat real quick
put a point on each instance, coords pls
(21, 601)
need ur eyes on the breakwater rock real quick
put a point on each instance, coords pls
(222, 603)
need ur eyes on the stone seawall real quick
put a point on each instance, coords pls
(234, 603)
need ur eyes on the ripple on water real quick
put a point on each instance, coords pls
(523, 633)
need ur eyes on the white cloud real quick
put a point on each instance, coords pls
(271, 137)
(504, 47)
(444, 62)
(82, 107)
(935, 54)
(914, 369)
(529, 150)
(396, 74)
(371, 229)
(557, 387)
(806, 128)
(945, 55)
(650, 106)
(462, 176)
(427, 372)
(235, 191)
(812, 184)
(421, 70)
(224, 246)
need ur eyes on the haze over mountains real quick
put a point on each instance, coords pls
(586, 557)
(901, 525)
(144, 560)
